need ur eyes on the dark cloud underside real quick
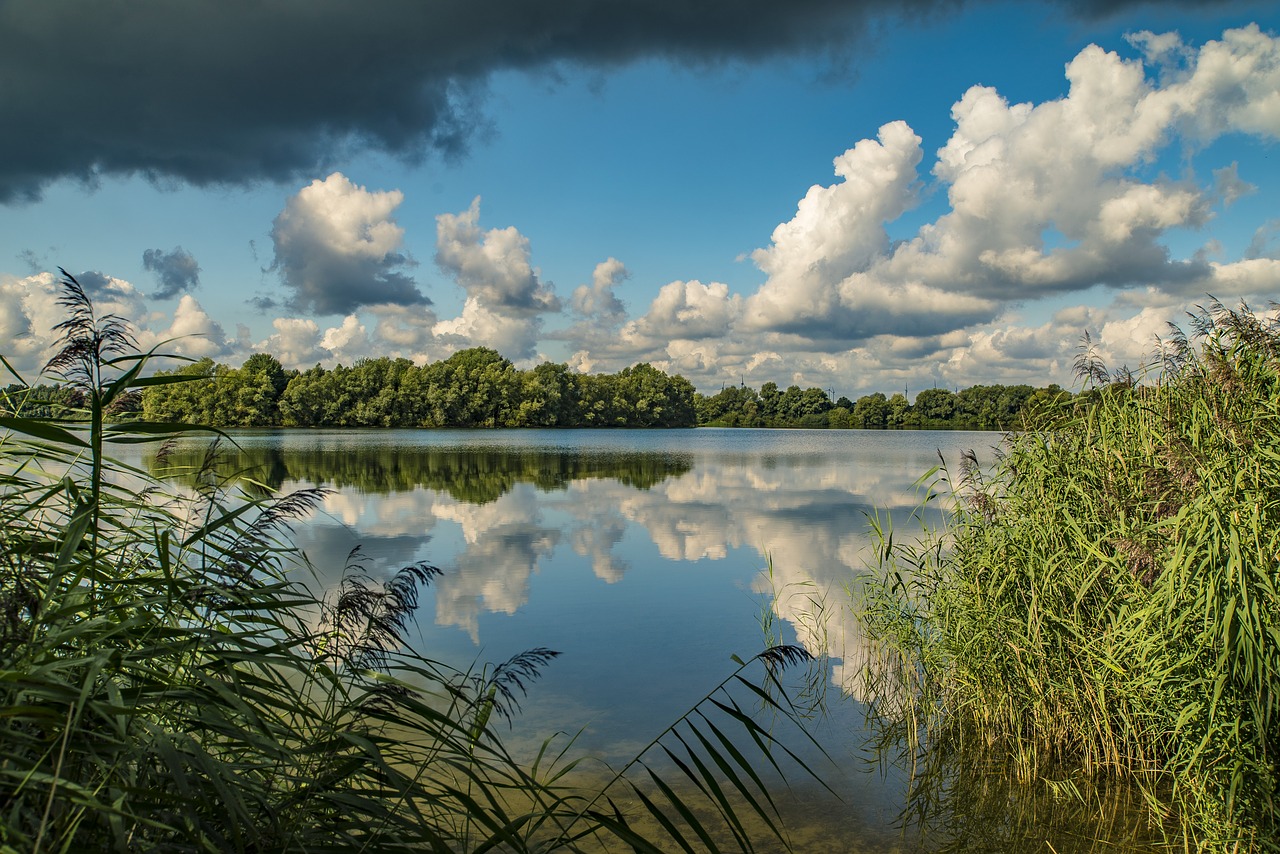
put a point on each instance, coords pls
(232, 91)
(177, 271)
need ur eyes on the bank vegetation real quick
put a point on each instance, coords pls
(1104, 600)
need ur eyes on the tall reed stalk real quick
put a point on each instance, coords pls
(1106, 597)
(165, 685)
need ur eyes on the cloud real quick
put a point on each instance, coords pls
(837, 230)
(688, 310)
(1230, 84)
(300, 342)
(688, 328)
(338, 247)
(177, 270)
(1228, 185)
(110, 295)
(192, 332)
(1044, 202)
(492, 266)
(597, 302)
(29, 311)
(1045, 199)
(27, 316)
(347, 342)
(295, 342)
(515, 337)
(505, 296)
(1264, 244)
(210, 93)
(407, 331)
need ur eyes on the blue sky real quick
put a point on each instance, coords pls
(644, 183)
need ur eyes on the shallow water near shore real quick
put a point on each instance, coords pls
(648, 559)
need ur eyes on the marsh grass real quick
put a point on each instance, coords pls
(164, 685)
(1105, 597)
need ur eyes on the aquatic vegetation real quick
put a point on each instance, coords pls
(166, 685)
(1106, 597)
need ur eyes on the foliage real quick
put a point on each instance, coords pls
(994, 407)
(40, 401)
(166, 686)
(1107, 597)
(476, 387)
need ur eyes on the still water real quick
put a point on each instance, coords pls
(648, 559)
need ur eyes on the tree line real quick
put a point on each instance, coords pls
(478, 387)
(979, 407)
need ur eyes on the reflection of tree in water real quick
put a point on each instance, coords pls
(476, 475)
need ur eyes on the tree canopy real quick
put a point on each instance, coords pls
(980, 407)
(476, 387)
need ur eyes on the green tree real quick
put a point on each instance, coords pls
(599, 404)
(186, 401)
(475, 387)
(814, 401)
(770, 398)
(301, 404)
(652, 398)
(840, 418)
(935, 404)
(871, 411)
(733, 406)
(898, 412)
(548, 396)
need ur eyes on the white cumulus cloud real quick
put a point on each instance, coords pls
(492, 266)
(338, 247)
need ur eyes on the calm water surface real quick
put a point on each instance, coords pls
(647, 558)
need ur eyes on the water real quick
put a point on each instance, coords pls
(648, 559)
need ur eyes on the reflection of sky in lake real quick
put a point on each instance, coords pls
(640, 555)
(647, 558)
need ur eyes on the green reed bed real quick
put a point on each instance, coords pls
(1105, 597)
(165, 686)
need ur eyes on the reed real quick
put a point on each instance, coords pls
(165, 685)
(1106, 596)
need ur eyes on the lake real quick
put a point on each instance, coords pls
(648, 559)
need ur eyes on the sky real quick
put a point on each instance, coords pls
(860, 196)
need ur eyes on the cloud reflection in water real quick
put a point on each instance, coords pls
(492, 516)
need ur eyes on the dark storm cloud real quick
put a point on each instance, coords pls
(264, 303)
(233, 91)
(328, 282)
(104, 289)
(177, 271)
(845, 326)
(97, 285)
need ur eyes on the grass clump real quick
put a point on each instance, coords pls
(1106, 596)
(165, 685)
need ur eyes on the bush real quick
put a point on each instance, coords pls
(1107, 596)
